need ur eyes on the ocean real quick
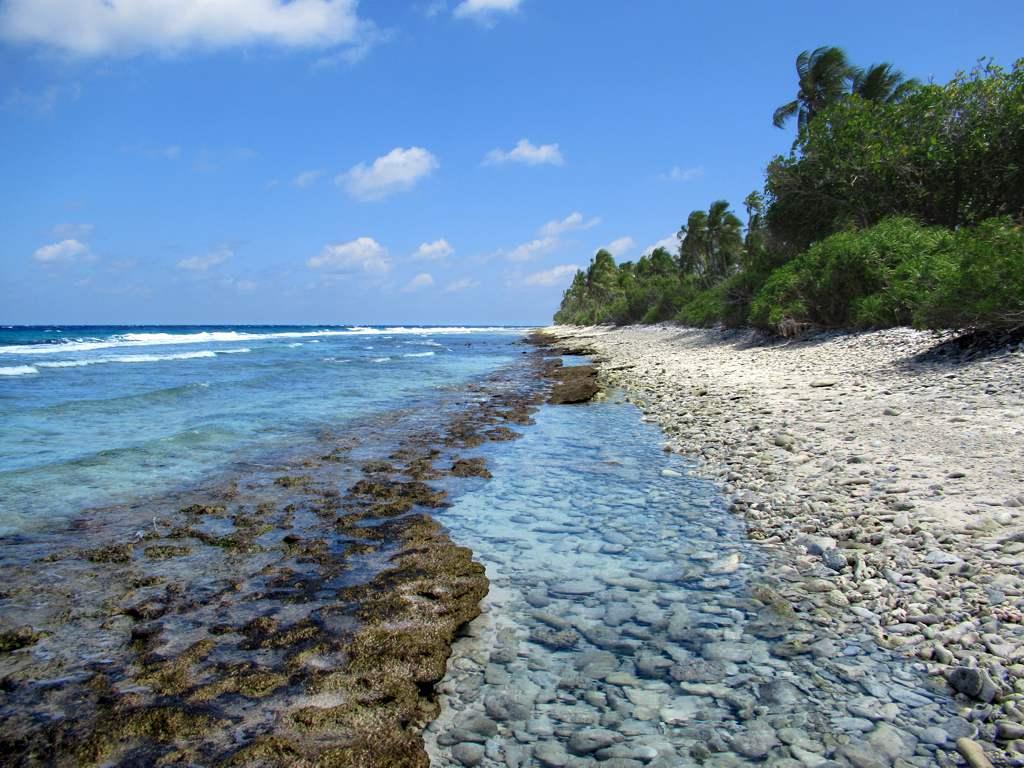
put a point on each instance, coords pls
(98, 415)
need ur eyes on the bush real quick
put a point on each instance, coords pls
(870, 278)
(704, 309)
(980, 282)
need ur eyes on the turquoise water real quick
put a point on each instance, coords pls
(92, 416)
(629, 621)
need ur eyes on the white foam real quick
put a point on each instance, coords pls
(209, 337)
(381, 359)
(295, 344)
(419, 354)
(239, 351)
(17, 370)
(132, 359)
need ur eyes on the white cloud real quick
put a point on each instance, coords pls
(527, 153)
(485, 11)
(364, 254)
(532, 249)
(396, 171)
(551, 276)
(307, 178)
(203, 263)
(669, 243)
(461, 285)
(620, 246)
(684, 174)
(435, 251)
(65, 250)
(422, 280)
(100, 27)
(571, 222)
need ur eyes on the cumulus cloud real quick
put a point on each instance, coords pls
(307, 178)
(527, 153)
(64, 251)
(203, 263)
(461, 285)
(573, 221)
(532, 249)
(684, 174)
(422, 280)
(396, 171)
(552, 276)
(485, 11)
(435, 251)
(620, 246)
(102, 27)
(364, 254)
(669, 243)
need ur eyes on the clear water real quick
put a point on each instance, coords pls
(91, 416)
(623, 602)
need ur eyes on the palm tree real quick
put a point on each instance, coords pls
(883, 83)
(693, 243)
(823, 75)
(725, 241)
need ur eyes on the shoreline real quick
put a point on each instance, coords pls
(321, 592)
(896, 475)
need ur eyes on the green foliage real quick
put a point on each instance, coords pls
(980, 283)
(899, 203)
(947, 155)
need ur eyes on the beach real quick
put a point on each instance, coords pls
(890, 460)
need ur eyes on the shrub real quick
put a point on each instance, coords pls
(980, 282)
(870, 278)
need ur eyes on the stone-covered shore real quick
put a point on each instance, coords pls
(895, 459)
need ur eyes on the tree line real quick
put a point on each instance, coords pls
(900, 202)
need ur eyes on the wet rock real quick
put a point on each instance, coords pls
(973, 682)
(592, 739)
(756, 741)
(973, 753)
(575, 384)
(475, 467)
(505, 706)
(469, 754)
(551, 754)
(18, 638)
(892, 742)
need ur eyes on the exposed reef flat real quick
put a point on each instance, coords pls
(293, 613)
(892, 462)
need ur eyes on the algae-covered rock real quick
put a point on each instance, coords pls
(18, 638)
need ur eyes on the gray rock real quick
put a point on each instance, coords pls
(468, 754)
(834, 559)
(592, 739)
(756, 741)
(551, 754)
(973, 682)
(891, 741)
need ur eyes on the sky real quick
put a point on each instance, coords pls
(395, 161)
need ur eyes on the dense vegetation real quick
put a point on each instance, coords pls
(899, 203)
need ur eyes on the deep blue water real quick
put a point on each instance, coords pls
(95, 415)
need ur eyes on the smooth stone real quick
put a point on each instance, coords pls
(576, 588)
(973, 753)
(973, 682)
(468, 754)
(551, 754)
(592, 739)
(756, 741)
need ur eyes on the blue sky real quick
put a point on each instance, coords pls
(319, 161)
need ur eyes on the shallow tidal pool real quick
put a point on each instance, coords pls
(631, 622)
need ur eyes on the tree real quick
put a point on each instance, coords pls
(693, 243)
(725, 241)
(823, 77)
(883, 83)
(711, 243)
